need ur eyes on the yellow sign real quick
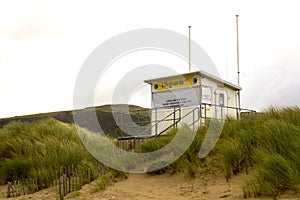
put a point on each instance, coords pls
(176, 82)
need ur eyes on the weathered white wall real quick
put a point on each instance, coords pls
(159, 99)
(230, 99)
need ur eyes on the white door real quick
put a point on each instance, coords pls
(221, 104)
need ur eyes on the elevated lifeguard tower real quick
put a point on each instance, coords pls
(191, 98)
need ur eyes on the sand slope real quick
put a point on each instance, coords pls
(142, 187)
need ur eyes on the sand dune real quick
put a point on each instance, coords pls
(144, 187)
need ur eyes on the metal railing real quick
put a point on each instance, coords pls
(238, 111)
(197, 113)
(195, 119)
(130, 142)
(146, 134)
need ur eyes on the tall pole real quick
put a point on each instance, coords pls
(237, 50)
(190, 48)
(238, 63)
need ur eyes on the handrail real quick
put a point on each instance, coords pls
(222, 106)
(198, 110)
(209, 104)
(194, 120)
(141, 135)
(142, 122)
(192, 111)
(128, 124)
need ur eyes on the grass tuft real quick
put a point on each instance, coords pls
(39, 149)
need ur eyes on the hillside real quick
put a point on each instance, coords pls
(103, 113)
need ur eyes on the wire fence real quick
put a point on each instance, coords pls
(67, 180)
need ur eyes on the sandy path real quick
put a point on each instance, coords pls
(173, 187)
(162, 187)
(177, 187)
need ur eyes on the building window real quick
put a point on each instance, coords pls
(221, 99)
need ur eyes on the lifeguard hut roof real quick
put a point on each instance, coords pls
(202, 75)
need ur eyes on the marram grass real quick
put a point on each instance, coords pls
(268, 144)
(39, 149)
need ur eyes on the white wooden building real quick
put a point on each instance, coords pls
(189, 98)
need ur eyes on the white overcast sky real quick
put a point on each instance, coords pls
(43, 45)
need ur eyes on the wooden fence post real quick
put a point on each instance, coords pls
(36, 184)
(73, 174)
(89, 175)
(18, 188)
(61, 184)
(61, 188)
(8, 189)
(69, 179)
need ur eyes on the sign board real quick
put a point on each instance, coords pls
(176, 82)
(206, 95)
(178, 97)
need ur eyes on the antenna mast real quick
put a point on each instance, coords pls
(237, 50)
(238, 62)
(190, 48)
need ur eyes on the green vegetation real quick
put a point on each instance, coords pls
(267, 144)
(270, 145)
(103, 181)
(189, 161)
(38, 150)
